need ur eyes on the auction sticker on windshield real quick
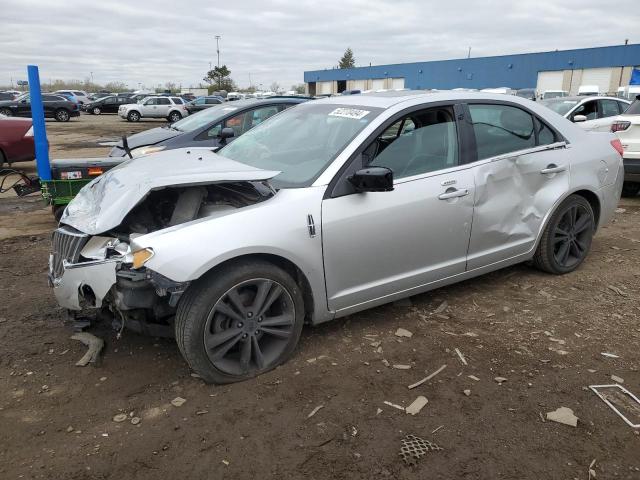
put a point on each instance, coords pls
(349, 113)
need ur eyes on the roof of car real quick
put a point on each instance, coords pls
(579, 98)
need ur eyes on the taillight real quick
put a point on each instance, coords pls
(95, 171)
(617, 145)
(620, 126)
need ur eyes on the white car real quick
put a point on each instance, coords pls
(81, 95)
(171, 108)
(548, 94)
(627, 128)
(594, 114)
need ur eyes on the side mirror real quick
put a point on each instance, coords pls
(579, 118)
(372, 179)
(226, 132)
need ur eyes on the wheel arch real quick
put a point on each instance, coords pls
(593, 200)
(287, 265)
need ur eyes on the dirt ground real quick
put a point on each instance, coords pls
(544, 334)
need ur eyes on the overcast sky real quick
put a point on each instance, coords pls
(151, 42)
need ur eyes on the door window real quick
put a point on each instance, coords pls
(151, 101)
(176, 100)
(247, 120)
(608, 108)
(501, 129)
(109, 100)
(214, 131)
(163, 101)
(588, 109)
(198, 101)
(212, 101)
(421, 142)
(50, 98)
(546, 136)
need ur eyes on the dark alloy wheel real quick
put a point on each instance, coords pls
(240, 321)
(6, 112)
(630, 189)
(133, 116)
(174, 117)
(567, 238)
(62, 115)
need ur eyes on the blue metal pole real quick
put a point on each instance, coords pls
(39, 129)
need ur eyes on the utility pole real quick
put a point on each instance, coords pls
(91, 77)
(469, 53)
(218, 48)
(249, 79)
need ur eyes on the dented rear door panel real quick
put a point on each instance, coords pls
(513, 196)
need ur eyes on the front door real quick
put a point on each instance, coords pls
(379, 243)
(521, 172)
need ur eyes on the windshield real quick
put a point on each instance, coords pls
(633, 109)
(553, 95)
(560, 106)
(301, 141)
(203, 117)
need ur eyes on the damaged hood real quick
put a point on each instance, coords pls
(102, 204)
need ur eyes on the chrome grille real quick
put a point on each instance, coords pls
(66, 245)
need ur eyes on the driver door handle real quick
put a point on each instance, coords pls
(453, 193)
(552, 168)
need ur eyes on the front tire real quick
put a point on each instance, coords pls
(630, 189)
(96, 111)
(133, 116)
(62, 115)
(239, 321)
(174, 117)
(566, 240)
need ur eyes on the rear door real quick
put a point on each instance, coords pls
(110, 105)
(162, 107)
(522, 169)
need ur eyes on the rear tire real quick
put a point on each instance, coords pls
(6, 112)
(566, 239)
(62, 115)
(133, 116)
(630, 189)
(174, 117)
(239, 321)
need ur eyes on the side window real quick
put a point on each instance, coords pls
(501, 129)
(176, 100)
(214, 131)
(48, 98)
(259, 115)
(79, 94)
(238, 123)
(199, 101)
(163, 101)
(110, 100)
(151, 101)
(588, 109)
(424, 141)
(212, 101)
(608, 108)
(546, 136)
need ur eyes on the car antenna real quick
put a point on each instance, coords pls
(125, 145)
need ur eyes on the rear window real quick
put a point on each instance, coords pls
(501, 129)
(634, 108)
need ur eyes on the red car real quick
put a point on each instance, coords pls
(16, 140)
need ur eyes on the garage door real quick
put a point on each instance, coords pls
(377, 84)
(549, 81)
(397, 83)
(597, 76)
(323, 88)
(359, 84)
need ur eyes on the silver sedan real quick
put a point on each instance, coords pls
(329, 208)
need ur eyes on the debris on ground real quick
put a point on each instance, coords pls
(121, 417)
(462, 359)
(414, 448)
(401, 332)
(95, 345)
(427, 378)
(592, 472)
(621, 401)
(617, 379)
(135, 420)
(441, 308)
(500, 380)
(467, 392)
(474, 378)
(609, 355)
(315, 410)
(399, 407)
(417, 405)
(401, 367)
(615, 289)
(178, 401)
(563, 415)
(439, 428)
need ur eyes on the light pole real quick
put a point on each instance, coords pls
(218, 48)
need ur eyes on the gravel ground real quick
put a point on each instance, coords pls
(544, 334)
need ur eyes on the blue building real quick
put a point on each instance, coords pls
(607, 67)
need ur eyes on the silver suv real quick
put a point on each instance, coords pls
(171, 108)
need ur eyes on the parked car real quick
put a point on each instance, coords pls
(171, 108)
(529, 93)
(55, 106)
(627, 128)
(549, 94)
(7, 96)
(590, 113)
(109, 104)
(332, 207)
(201, 103)
(204, 129)
(81, 95)
(16, 140)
